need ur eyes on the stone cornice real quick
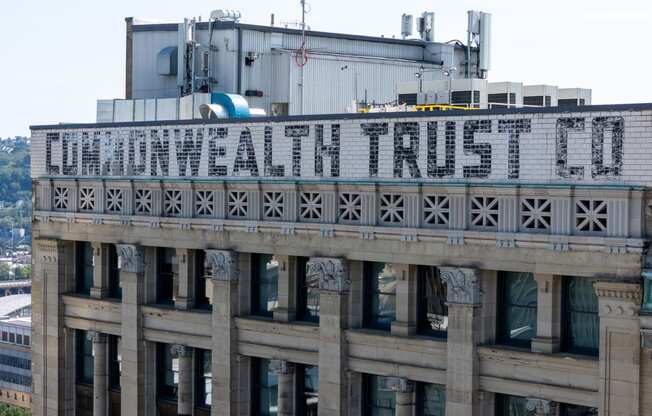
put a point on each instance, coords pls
(631, 292)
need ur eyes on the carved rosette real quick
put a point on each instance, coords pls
(96, 337)
(222, 265)
(282, 367)
(401, 385)
(179, 351)
(130, 258)
(463, 285)
(331, 272)
(618, 299)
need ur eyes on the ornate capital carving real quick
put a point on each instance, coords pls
(618, 299)
(331, 272)
(96, 337)
(222, 265)
(541, 406)
(463, 285)
(179, 351)
(282, 367)
(130, 258)
(49, 251)
(401, 385)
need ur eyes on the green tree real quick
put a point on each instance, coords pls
(5, 269)
(8, 410)
(23, 272)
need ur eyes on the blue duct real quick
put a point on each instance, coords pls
(235, 105)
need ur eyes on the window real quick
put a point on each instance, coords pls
(581, 330)
(573, 410)
(517, 309)
(115, 362)
(84, 274)
(264, 284)
(431, 400)
(202, 300)
(378, 398)
(12, 337)
(204, 378)
(511, 406)
(264, 389)
(308, 295)
(5, 336)
(19, 338)
(380, 290)
(115, 291)
(84, 360)
(165, 279)
(431, 308)
(26, 340)
(307, 390)
(168, 373)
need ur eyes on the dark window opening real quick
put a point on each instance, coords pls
(264, 392)
(407, 99)
(308, 293)
(204, 378)
(380, 296)
(84, 280)
(166, 258)
(431, 307)
(431, 400)
(573, 410)
(581, 323)
(167, 373)
(307, 390)
(378, 397)
(84, 361)
(264, 285)
(115, 362)
(535, 100)
(511, 405)
(517, 309)
(115, 290)
(202, 300)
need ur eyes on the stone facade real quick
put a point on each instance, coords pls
(552, 195)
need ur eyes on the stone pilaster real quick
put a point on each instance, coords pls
(184, 392)
(100, 270)
(542, 407)
(100, 374)
(464, 320)
(185, 297)
(52, 275)
(406, 300)
(285, 375)
(286, 310)
(132, 267)
(404, 390)
(548, 335)
(224, 270)
(334, 286)
(620, 348)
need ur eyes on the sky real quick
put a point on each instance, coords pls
(57, 57)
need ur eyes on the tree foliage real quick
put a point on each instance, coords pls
(15, 183)
(8, 410)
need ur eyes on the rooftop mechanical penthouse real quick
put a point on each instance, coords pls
(460, 263)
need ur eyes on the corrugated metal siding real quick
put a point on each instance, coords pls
(146, 82)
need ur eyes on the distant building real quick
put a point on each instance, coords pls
(15, 350)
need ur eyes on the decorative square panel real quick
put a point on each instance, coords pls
(392, 208)
(350, 207)
(311, 206)
(591, 215)
(86, 199)
(273, 205)
(484, 211)
(61, 197)
(144, 201)
(238, 204)
(114, 200)
(173, 202)
(536, 213)
(436, 210)
(205, 203)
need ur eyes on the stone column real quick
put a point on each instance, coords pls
(287, 289)
(100, 375)
(620, 347)
(548, 335)
(132, 267)
(224, 270)
(52, 276)
(405, 396)
(406, 300)
(542, 407)
(185, 276)
(464, 319)
(184, 391)
(285, 375)
(334, 286)
(100, 287)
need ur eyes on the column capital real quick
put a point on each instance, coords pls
(463, 285)
(49, 250)
(331, 272)
(223, 265)
(401, 385)
(96, 337)
(179, 350)
(282, 366)
(131, 258)
(541, 406)
(618, 299)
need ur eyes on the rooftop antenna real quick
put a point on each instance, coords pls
(301, 58)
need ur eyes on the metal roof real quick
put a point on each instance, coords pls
(13, 303)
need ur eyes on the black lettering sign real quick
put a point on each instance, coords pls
(90, 153)
(483, 170)
(269, 167)
(136, 163)
(49, 167)
(514, 128)
(332, 150)
(403, 153)
(617, 127)
(296, 132)
(69, 150)
(374, 131)
(435, 171)
(113, 150)
(245, 158)
(564, 125)
(217, 150)
(160, 152)
(189, 151)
